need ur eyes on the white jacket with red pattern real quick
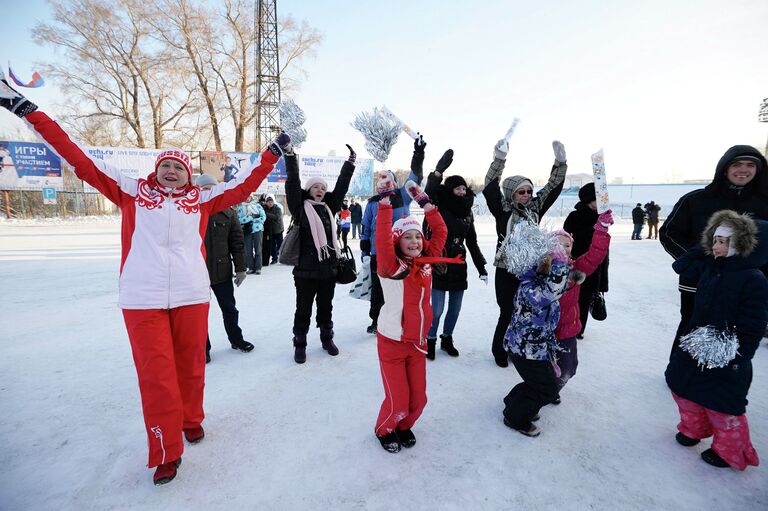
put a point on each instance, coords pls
(407, 311)
(162, 265)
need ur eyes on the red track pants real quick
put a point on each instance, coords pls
(404, 374)
(168, 348)
(731, 432)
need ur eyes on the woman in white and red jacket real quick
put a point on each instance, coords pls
(164, 285)
(404, 259)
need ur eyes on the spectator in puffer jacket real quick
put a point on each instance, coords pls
(314, 208)
(224, 247)
(252, 216)
(530, 340)
(356, 212)
(569, 325)
(731, 300)
(511, 202)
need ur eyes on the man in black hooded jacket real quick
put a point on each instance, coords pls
(740, 184)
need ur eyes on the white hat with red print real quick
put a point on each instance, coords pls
(178, 155)
(407, 223)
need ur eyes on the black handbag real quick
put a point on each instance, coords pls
(597, 307)
(289, 250)
(346, 270)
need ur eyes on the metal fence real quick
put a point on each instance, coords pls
(69, 203)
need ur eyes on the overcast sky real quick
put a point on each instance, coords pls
(665, 87)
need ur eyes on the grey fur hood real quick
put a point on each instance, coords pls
(745, 234)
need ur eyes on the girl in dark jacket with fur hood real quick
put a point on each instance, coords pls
(711, 370)
(455, 200)
(313, 209)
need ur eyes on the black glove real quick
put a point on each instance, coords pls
(11, 100)
(419, 144)
(352, 154)
(445, 161)
(281, 145)
(365, 247)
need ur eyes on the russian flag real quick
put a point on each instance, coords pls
(37, 80)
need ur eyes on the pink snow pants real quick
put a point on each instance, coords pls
(404, 374)
(169, 352)
(731, 433)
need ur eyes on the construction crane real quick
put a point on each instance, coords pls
(267, 73)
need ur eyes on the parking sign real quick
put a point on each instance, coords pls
(49, 195)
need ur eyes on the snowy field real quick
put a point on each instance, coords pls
(284, 436)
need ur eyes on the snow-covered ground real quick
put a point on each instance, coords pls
(284, 436)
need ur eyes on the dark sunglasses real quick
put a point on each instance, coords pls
(524, 192)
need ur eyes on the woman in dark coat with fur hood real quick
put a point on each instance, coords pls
(455, 200)
(731, 299)
(313, 209)
(580, 223)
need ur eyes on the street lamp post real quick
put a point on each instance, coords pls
(762, 116)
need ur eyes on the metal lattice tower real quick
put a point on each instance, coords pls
(267, 71)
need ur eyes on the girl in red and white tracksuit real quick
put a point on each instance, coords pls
(164, 284)
(404, 259)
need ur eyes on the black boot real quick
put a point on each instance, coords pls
(242, 345)
(686, 440)
(714, 459)
(431, 348)
(446, 344)
(407, 438)
(299, 346)
(390, 442)
(326, 338)
(371, 328)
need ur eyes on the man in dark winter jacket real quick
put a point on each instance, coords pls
(580, 223)
(638, 218)
(223, 246)
(740, 184)
(356, 210)
(652, 212)
(274, 213)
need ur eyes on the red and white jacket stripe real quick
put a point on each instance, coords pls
(162, 265)
(407, 312)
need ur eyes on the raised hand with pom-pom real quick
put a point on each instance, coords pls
(559, 150)
(281, 145)
(501, 149)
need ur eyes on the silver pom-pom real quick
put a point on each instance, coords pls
(291, 119)
(380, 130)
(525, 246)
(711, 347)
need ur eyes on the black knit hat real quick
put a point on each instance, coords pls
(587, 193)
(452, 182)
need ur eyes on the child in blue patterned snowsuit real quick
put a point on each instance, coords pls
(530, 339)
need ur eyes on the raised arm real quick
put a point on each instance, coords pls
(342, 183)
(386, 260)
(224, 195)
(107, 179)
(293, 192)
(591, 259)
(417, 160)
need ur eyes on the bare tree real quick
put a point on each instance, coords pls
(112, 69)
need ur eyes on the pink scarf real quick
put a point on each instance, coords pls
(318, 230)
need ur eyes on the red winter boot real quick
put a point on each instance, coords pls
(194, 435)
(166, 472)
